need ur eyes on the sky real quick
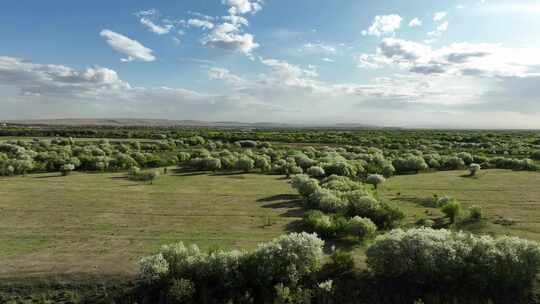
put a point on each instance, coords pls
(414, 63)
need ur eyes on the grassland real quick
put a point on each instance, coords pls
(510, 200)
(86, 224)
(100, 224)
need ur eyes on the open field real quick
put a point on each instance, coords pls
(510, 200)
(102, 223)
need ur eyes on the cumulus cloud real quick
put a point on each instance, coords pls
(46, 90)
(128, 47)
(487, 60)
(54, 80)
(439, 16)
(158, 29)
(283, 92)
(370, 61)
(229, 36)
(243, 6)
(224, 74)
(150, 19)
(384, 25)
(204, 24)
(289, 71)
(415, 22)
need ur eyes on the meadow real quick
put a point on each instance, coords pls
(213, 215)
(89, 224)
(102, 224)
(509, 200)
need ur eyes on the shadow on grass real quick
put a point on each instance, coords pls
(228, 173)
(119, 177)
(280, 197)
(474, 226)
(428, 202)
(469, 176)
(295, 226)
(49, 176)
(237, 177)
(193, 173)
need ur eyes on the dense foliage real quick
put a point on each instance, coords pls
(444, 259)
(188, 275)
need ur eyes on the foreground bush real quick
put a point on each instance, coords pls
(447, 259)
(190, 275)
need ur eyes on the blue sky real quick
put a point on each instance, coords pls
(460, 63)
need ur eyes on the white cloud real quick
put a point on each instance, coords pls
(205, 24)
(441, 28)
(243, 6)
(236, 20)
(150, 19)
(289, 93)
(224, 74)
(328, 60)
(289, 71)
(129, 47)
(160, 30)
(439, 16)
(415, 22)
(384, 25)
(46, 90)
(229, 36)
(367, 61)
(319, 48)
(49, 79)
(147, 13)
(480, 60)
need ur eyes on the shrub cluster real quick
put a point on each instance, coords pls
(337, 225)
(343, 207)
(427, 257)
(190, 275)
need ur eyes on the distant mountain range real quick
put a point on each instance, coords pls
(175, 123)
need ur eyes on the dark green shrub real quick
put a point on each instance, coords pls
(452, 210)
(475, 213)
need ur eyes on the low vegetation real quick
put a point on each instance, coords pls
(443, 201)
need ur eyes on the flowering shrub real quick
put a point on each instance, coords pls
(375, 180)
(316, 172)
(474, 168)
(66, 169)
(187, 272)
(361, 227)
(425, 255)
(304, 184)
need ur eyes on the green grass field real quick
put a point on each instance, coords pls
(101, 224)
(86, 224)
(510, 200)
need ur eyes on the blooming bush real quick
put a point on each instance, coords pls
(186, 272)
(375, 180)
(425, 255)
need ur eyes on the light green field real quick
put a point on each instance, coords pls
(510, 200)
(86, 224)
(101, 224)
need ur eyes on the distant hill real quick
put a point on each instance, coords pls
(175, 123)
